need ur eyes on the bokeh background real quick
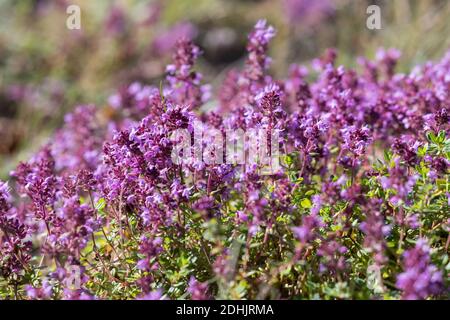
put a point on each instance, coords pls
(46, 69)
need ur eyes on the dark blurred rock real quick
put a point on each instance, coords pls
(8, 107)
(222, 45)
(11, 135)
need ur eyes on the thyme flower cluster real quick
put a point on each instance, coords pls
(364, 185)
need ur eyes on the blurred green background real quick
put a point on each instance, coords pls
(47, 69)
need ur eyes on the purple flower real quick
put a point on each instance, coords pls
(166, 40)
(375, 229)
(308, 230)
(116, 20)
(198, 290)
(332, 256)
(36, 179)
(407, 150)
(400, 182)
(14, 248)
(184, 82)
(78, 144)
(43, 293)
(270, 102)
(307, 12)
(257, 46)
(150, 248)
(356, 140)
(206, 205)
(153, 295)
(420, 278)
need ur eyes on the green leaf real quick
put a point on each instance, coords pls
(101, 204)
(431, 137)
(387, 155)
(422, 151)
(306, 203)
(441, 136)
(336, 228)
(288, 160)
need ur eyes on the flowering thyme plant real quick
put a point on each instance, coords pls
(358, 207)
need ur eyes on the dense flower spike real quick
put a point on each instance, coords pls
(420, 278)
(14, 248)
(257, 47)
(77, 145)
(184, 81)
(108, 210)
(37, 180)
